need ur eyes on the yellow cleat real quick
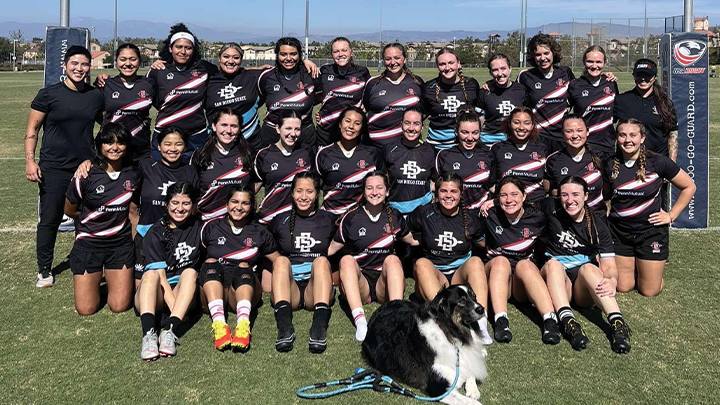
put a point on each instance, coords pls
(221, 332)
(241, 338)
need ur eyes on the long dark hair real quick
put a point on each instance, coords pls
(515, 181)
(589, 213)
(243, 188)
(595, 159)
(450, 51)
(295, 43)
(665, 108)
(505, 125)
(208, 148)
(165, 45)
(110, 133)
(179, 188)
(317, 183)
(466, 114)
(544, 40)
(364, 132)
(452, 177)
(642, 157)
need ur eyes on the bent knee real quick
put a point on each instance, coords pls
(86, 310)
(392, 260)
(650, 291)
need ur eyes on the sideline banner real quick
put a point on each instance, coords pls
(684, 62)
(57, 42)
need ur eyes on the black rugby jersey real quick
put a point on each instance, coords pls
(155, 179)
(370, 242)
(595, 105)
(548, 98)
(339, 92)
(180, 95)
(513, 241)
(104, 205)
(386, 103)
(632, 200)
(442, 238)
(442, 107)
(280, 93)
(186, 251)
(632, 104)
(67, 138)
(527, 164)
(498, 103)
(240, 93)
(569, 242)
(277, 170)
(224, 171)
(130, 107)
(343, 176)
(311, 239)
(560, 165)
(410, 171)
(477, 169)
(221, 243)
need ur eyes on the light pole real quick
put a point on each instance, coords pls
(688, 22)
(282, 20)
(115, 32)
(454, 42)
(307, 28)
(64, 13)
(14, 58)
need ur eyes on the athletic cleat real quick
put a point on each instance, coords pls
(574, 333)
(318, 339)
(168, 342)
(149, 349)
(45, 278)
(221, 333)
(241, 337)
(285, 339)
(502, 330)
(620, 334)
(550, 332)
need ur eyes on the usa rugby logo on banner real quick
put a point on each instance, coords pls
(688, 52)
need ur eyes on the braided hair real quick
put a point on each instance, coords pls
(505, 125)
(595, 158)
(589, 213)
(317, 182)
(109, 134)
(386, 205)
(642, 157)
(209, 147)
(405, 67)
(295, 43)
(452, 177)
(179, 188)
(165, 45)
(448, 50)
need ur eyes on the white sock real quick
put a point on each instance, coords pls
(550, 315)
(361, 325)
(243, 310)
(484, 334)
(500, 315)
(217, 310)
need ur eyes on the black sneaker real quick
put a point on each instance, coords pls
(620, 334)
(318, 335)
(550, 332)
(502, 330)
(574, 333)
(285, 339)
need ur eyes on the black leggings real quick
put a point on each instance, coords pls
(53, 187)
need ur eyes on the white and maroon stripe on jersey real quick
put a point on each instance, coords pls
(141, 104)
(635, 184)
(242, 254)
(327, 119)
(102, 233)
(236, 173)
(191, 84)
(185, 112)
(122, 199)
(519, 246)
(529, 166)
(635, 210)
(297, 97)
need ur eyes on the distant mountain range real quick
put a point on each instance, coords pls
(145, 29)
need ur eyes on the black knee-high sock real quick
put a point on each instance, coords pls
(565, 313)
(612, 316)
(174, 323)
(147, 321)
(283, 314)
(321, 315)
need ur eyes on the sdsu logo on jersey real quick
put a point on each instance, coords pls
(505, 108)
(194, 73)
(591, 167)
(183, 252)
(560, 82)
(451, 104)
(248, 242)
(362, 164)
(655, 247)
(164, 187)
(481, 165)
(689, 51)
(526, 233)
(607, 90)
(142, 94)
(304, 242)
(410, 92)
(353, 79)
(388, 230)
(238, 162)
(228, 92)
(446, 241)
(568, 240)
(300, 162)
(128, 186)
(411, 169)
(535, 156)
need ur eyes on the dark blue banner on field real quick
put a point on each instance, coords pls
(57, 42)
(685, 76)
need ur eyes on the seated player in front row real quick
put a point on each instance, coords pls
(172, 253)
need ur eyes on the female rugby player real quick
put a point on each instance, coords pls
(498, 98)
(301, 276)
(370, 271)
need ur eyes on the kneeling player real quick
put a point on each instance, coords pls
(234, 246)
(576, 235)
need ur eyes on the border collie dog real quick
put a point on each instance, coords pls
(416, 344)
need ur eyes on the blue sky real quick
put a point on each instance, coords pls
(352, 17)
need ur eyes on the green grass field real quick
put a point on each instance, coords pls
(49, 354)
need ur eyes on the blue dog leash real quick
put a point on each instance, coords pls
(364, 379)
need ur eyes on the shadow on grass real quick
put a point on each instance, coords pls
(595, 316)
(61, 267)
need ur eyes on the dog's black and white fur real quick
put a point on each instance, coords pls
(415, 344)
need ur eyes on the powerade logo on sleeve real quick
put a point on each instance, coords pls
(686, 53)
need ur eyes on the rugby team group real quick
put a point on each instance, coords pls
(546, 187)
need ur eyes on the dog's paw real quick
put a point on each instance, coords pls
(471, 389)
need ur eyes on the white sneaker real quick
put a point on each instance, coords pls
(149, 350)
(167, 343)
(45, 279)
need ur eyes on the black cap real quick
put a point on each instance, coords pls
(645, 66)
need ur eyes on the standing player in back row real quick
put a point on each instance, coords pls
(340, 85)
(499, 99)
(444, 95)
(388, 95)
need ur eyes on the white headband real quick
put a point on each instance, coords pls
(182, 35)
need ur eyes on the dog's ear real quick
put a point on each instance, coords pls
(439, 303)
